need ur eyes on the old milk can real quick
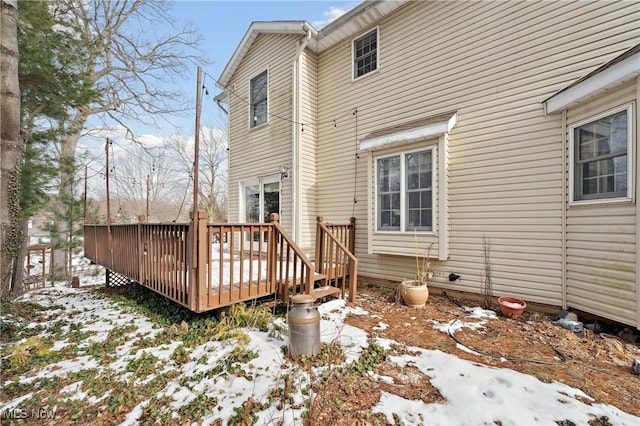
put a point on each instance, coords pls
(304, 326)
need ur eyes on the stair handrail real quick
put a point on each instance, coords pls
(353, 261)
(308, 277)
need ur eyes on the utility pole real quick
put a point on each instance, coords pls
(193, 228)
(84, 212)
(106, 151)
(147, 211)
(197, 143)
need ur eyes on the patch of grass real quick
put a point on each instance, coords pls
(246, 413)
(242, 315)
(371, 356)
(158, 411)
(180, 355)
(33, 353)
(197, 408)
(157, 308)
(330, 354)
(143, 365)
(28, 311)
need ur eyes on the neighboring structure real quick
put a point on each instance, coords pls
(447, 122)
(37, 228)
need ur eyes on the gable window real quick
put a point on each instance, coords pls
(601, 157)
(259, 100)
(365, 54)
(404, 192)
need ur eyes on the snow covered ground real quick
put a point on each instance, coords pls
(147, 359)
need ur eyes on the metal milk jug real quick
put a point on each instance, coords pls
(304, 326)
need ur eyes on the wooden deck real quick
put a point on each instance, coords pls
(229, 263)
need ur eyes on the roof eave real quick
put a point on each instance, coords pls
(348, 25)
(606, 79)
(256, 28)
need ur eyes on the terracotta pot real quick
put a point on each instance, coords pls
(511, 307)
(414, 293)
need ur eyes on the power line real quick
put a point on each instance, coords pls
(144, 160)
(315, 124)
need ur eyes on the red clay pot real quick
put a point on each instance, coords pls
(511, 307)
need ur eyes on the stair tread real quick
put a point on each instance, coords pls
(325, 291)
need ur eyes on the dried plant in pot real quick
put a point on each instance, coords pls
(415, 292)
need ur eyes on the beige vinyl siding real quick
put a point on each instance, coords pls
(306, 205)
(272, 140)
(602, 256)
(493, 63)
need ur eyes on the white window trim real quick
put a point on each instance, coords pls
(353, 54)
(402, 154)
(251, 127)
(630, 153)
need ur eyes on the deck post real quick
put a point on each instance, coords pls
(272, 258)
(319, 245)
(203, 256)
(140, 254)
(192, 260)
(352, 235)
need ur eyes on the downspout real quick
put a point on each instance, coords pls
(221, 107)
(295, 136)
(636, 170)
(564, 210)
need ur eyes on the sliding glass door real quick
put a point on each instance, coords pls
(261, 198)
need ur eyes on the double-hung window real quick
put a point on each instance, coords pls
(259, 100)
(601, 157)
(365, 54)
(404, 192)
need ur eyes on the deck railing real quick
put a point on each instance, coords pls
(229, 263)
(334, 254)
(154, 255)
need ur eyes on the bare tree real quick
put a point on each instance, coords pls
(213, 168)
(131, 63)
(134, 54)
(149, 177)
(11, 144)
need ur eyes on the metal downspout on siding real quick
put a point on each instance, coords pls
(295, 135)
(637, 188)
(564, 210)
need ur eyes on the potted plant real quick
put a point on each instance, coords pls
(415, 292)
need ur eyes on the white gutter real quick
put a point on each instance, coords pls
(408, 136)
(598, 83)
(218, 100)
(295, 136)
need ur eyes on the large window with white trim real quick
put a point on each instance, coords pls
(404, 191)
(601, 157)
(259, 105)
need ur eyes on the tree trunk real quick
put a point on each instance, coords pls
(18, 270)
(11, 147)
(66, 193)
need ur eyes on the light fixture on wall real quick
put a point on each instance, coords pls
(284, 172)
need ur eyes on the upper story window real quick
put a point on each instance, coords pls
(259, 100)
(404, 192)
(365, 54)
(601, 157)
